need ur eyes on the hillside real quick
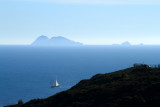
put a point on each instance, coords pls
(54, 41)
(137, 86)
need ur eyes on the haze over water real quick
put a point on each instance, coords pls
(26, 72)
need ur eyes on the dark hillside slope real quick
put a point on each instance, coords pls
(132, 87)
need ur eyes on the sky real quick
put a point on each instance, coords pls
(93, 22)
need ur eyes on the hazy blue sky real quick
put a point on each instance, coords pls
(86, 21)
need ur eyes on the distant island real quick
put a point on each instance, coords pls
(54, 41)
(126, 43)
(138, 86)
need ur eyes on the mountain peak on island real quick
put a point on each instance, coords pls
(42, 38)
(54, 41)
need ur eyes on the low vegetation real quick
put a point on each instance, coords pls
(138, 86)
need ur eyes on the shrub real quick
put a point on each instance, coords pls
(20, 101)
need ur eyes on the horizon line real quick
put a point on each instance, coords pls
(89, 45)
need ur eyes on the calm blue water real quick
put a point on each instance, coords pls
(26, 72)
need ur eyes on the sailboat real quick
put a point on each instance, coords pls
(55, 86)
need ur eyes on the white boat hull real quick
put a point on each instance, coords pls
(54, 86)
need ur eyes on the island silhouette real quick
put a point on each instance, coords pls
(54, 41)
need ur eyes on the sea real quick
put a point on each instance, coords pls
(26, 71)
